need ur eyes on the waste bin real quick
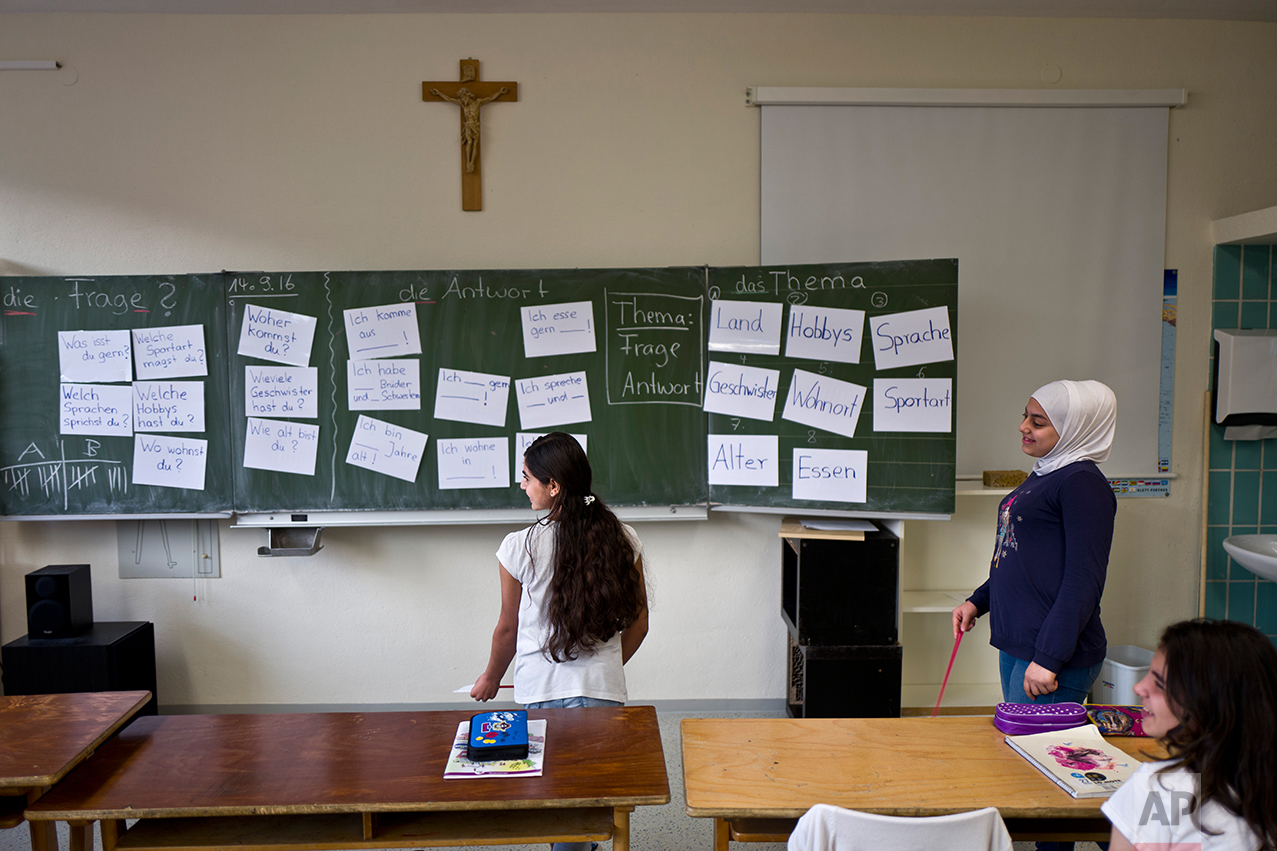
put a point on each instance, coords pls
(1124, 666)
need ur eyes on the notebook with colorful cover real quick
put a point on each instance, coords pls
(1116, 720)
(1078, 760)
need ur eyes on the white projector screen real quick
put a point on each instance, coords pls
(1057, 217)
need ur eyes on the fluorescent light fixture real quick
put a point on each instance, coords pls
(31, 65)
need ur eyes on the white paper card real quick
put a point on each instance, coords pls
(558, 329)
(523, 439)
(472, 397)
(824, 333)
(384, 385)
(744, 459)
(95, 356)
(281, 446)
(382, 332)
(911, 338)
(169, 462)
(475, 462)
(104, 409)
(386, 448)
(174, 351)
(168, 406)
(913, 404)
(824, 402)
(550, 400)
(830, 475)
(742, 391)
(749, 327)
(281, 391)
(276, 335)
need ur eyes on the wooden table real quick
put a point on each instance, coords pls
(755, 777)
(356, 780)
(44, 736)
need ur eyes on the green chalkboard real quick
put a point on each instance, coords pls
(47, 472)
(645, 434)
(906, 472)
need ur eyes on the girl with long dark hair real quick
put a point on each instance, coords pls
(573, 596)
(1211, 698)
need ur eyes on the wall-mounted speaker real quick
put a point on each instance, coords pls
(59, 601)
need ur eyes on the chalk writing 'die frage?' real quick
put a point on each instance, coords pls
(913, 404)
(742, 391)
(745, 459)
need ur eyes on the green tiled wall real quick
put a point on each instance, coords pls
(1243, 474)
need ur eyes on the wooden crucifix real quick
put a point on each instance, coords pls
(470, 94)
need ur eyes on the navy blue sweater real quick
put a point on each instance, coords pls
(1048, 569)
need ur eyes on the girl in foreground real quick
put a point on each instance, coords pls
(573, 597)
(1210, 696)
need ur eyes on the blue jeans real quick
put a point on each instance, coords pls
(573, 703)
(1073, 686)
(1074, 683)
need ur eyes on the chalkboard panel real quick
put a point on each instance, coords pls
(46, 473)
(907, 472)
(646, 433)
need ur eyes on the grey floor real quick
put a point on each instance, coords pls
(666, 828)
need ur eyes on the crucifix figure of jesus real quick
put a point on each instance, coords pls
(470, 94)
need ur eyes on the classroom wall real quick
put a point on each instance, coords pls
(184, 143)
(1242, 490)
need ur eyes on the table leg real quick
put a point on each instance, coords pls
(111, 831)
(722, 833)
(81, 835)
(621, 828)
(44, 835)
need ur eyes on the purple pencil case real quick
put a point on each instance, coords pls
(1019, 719)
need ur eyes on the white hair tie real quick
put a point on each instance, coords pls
(589, 500)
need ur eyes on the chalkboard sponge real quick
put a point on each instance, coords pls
(1004, 478)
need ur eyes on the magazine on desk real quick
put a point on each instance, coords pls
(459, 766)
(1078, 759)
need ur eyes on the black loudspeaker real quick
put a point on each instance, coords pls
(59, 601)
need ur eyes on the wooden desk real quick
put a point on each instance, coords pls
(44, 736)
(755, 777)
(353, 780)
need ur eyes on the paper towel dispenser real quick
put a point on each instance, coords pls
(1245, 385)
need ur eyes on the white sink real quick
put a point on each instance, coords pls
(1256, 553)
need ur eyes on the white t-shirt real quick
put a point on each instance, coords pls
(1151, 810)
(536, 677)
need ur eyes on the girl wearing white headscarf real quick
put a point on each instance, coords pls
(1051, 555)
